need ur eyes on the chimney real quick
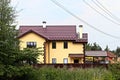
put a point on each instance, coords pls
(80, 31)
(44, 24)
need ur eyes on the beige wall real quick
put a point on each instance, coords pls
(60, 53)
(32, 37)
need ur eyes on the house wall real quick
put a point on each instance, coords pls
(60, 53)
(32, 37)
(47, 52)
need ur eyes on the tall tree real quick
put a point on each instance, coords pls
(88, 47)
(93, 47)
(10, 55)
(8, 33)
(117, 52)
(8, 42)
(107, 48)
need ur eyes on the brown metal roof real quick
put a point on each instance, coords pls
(96, 53)
(55, 32)
(76, 55)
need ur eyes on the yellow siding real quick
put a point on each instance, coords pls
(32, 37)
(59, 53)
(47, 51)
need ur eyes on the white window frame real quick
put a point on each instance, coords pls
(65, 60)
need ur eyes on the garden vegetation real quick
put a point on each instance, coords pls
(16, 64)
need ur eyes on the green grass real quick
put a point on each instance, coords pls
(49, 73)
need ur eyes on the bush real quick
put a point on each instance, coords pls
(115, 69)
(49, 73)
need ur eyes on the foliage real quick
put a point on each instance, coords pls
(93, 47)
(8, 43)
(107, 48)
(117, 51)
(115, 69)
(49, 73)
(10, 55)
(29, 56)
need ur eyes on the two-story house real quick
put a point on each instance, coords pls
(61, 43)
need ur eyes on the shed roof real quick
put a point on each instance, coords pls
(96, 53)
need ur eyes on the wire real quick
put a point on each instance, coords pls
(72, 14)
(105, 10)
(100, 13)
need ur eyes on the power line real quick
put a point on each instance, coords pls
(97, 3)
(72, 14)
(108, 11)
(100, 13)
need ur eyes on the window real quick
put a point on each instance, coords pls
(76, 61)
(31, 44)
(65, 44)
(65, 60)
(53, 45)
(54, 60)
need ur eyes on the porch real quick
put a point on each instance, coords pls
(96, 57)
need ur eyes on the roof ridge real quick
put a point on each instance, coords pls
(48, 25)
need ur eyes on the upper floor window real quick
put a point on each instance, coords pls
(31, 44)
(53, 45)
(65, 44)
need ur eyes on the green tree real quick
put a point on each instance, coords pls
(29, 56)
(96, 47)
(88, 47)
(10, 55)
(117, 52)
(8, 41)
(93, 47)
(107, 48)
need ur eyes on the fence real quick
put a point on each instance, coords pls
(71, 65)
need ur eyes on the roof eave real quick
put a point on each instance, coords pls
(30, 32)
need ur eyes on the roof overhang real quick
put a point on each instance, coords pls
(96, 53)
(76, 55)
(30, 31)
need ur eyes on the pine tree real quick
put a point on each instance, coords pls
(93, 47)
(10, 54)
(107, 48)
(8, 41)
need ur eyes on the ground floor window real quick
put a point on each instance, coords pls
(65, 60)
(76, 61)
(54, 60)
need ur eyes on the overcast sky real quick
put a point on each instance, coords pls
(33, 12)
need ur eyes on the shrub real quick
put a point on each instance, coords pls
(115, 69)
(49, 73)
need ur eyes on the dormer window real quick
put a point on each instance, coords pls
(31, 44)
